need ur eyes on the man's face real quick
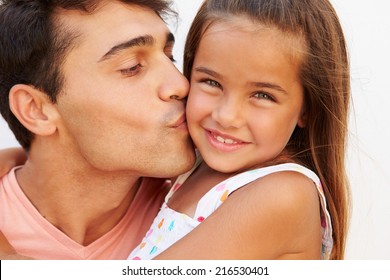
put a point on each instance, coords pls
(118, 108)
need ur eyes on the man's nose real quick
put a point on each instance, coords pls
(173, 84)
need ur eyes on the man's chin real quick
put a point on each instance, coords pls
(180, 164)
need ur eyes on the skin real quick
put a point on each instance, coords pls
(278, 213)
(254, 104)
(10, 158)
(138, 92)
(257, 103)
(120, 116)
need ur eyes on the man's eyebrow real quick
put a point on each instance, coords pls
(144, 40)
(170, 38)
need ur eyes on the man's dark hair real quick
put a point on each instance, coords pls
(33, 46)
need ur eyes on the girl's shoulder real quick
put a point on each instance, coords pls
(283, 208)
(289, 180)
(293, 191)
(275, 214)
(285, 191)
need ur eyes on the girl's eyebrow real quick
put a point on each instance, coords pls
(207, 71)
(268, 85)
(212, 73)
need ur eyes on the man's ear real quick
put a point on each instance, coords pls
(33, 109)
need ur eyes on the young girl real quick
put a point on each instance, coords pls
(267, 111)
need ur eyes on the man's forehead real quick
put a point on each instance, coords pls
(113, 23)
(107, 10)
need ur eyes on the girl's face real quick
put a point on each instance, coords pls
(246, 97)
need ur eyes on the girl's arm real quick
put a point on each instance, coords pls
(10, 158)
(7, 252)
(275, 217)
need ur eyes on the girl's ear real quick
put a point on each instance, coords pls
(302, 121)
(33, 109)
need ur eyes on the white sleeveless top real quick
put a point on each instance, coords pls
(169, 226)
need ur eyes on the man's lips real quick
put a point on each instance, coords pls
(180, 121)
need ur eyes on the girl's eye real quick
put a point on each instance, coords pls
(263, 95)
(132, 71)
(212, 83)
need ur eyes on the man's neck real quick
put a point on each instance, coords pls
(84, 203)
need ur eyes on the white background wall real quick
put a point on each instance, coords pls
(367, 28)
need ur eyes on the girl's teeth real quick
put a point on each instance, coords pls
(222, 140)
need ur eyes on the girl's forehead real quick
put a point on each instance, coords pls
(244, 24)
(241, 26)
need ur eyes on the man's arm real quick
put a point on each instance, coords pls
(10, 158)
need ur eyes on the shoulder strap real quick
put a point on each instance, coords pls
(218, 194)
(182, 178)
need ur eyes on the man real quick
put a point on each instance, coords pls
(97, 103)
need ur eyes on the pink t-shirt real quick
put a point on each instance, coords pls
(32, 235)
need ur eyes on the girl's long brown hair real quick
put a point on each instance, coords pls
(321, 144)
